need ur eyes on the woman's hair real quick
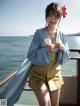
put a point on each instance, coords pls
(53, 8)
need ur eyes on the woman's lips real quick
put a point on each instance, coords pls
(53, 22)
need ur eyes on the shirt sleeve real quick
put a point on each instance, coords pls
(66, 53)
(34, 46)
(36, 54)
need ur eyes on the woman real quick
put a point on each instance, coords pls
(47, 53)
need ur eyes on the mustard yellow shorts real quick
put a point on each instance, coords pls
(48, 76)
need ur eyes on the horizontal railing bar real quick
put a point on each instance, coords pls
(75, 50)
(75, 58)
(73, 34)
(2, 82)
(28, 89)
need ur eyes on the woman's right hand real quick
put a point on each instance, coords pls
(50, 48)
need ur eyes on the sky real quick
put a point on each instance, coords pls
(23, 17)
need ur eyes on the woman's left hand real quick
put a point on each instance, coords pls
(60, 46)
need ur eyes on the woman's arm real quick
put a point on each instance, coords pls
(66, 52)
(33, 47)
(37, 54)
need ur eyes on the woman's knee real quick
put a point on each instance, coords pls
(55, 96)
(43, 98)
(54, 104)
(45, 103)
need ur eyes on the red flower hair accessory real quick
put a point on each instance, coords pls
(63, 10)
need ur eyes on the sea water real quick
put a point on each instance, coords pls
(13, 51)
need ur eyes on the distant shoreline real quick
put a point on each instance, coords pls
(25, 35)
(18, 36)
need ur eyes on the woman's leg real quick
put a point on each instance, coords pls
(43, 97)
(55, 96)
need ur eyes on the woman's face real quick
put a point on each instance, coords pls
(53, 19)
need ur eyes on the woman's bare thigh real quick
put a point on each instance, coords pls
(43, 97)
(54, 97)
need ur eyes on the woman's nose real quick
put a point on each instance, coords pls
(53, 17)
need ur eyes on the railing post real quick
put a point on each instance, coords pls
(78, 74)
(78, 82)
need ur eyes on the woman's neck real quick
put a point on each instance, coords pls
(52, 31)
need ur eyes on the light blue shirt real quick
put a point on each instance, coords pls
(39, 56)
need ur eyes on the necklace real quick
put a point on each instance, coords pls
(53, 37)
(52, 34)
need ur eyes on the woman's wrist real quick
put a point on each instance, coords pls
(61, 47)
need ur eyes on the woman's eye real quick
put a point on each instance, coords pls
(49, 15)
